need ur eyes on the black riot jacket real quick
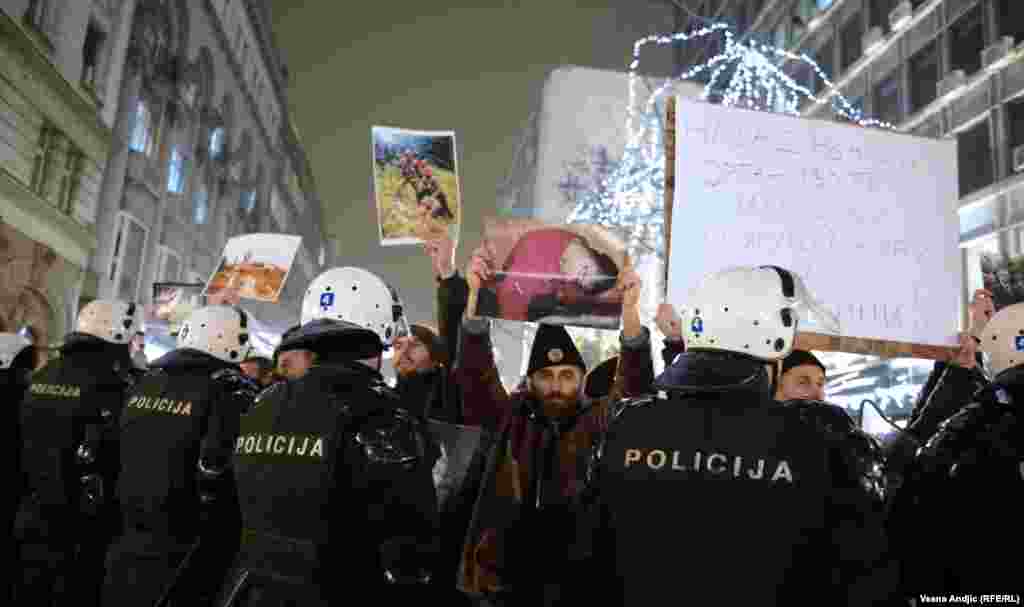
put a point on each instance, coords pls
(183, 412)
(74, 401)
(728, 494)
(962, 497)
(331, 471)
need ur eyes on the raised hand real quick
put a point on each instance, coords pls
(668, 321)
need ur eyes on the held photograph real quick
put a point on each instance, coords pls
(255, 266)
(415, 185)
(561, 274)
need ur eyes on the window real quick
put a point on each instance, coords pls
(824, 4)
(824, 58)
(142, 139)
(887, 99)
(200, 206)
(850, 42)
(1011, 19)
(217, 142)
(924, 76)
(974, 157)
(129, 246)
(806, 10)
(176, 171)
(248, 202)
(856, 109)
(37, 13)
(169, 267)
(94, 39)
(1015, 124)
(966, 41)
(779, 36)
(880, 10)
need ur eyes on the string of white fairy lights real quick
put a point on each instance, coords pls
(632, 190)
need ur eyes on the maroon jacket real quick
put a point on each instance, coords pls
(529, 440)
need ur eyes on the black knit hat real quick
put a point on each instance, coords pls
(553, 346)
(598, 383)
(799, 358)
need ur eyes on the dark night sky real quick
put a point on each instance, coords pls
(473, 67)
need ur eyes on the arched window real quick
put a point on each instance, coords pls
(200, 205)
(142, 133)
(248, 203)
(217, 142)
(176, 171)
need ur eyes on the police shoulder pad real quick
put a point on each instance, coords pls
(274, 389)
(825, 417)
(391, 437)
(620, 408)
(961, 428)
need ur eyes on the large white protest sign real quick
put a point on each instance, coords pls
(867, 217)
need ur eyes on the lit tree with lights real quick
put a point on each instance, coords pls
(627, 194)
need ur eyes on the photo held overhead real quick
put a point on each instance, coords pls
(415, 185)
(253, 266)
(864, 216)
(562, 274)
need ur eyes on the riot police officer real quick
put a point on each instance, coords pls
(962, 497)
(334, 479)
(179, 510)
(17, 360)
(719, 491)
(70, 458)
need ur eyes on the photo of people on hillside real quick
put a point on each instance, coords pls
(416, 185)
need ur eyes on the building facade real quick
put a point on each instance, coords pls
(935, 68)
(162, 130)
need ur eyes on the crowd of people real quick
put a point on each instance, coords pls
(214, 477)
(418, 174)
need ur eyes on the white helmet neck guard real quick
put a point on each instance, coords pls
(1002, 340)
(11, 346)
(220, 331)
(113, 321)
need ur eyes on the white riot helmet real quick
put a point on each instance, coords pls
(1002, 339)
(359, 297)
(11, 346)
(220, 331)
(750, 310)
(111, 320)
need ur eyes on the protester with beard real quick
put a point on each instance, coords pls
(334, 477)
(71, 458)
(519, 540)
(424, 381)
(962, 497)
(717, 490)
(17, 360)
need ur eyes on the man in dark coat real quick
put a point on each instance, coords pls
(536, 469)
(70, 458)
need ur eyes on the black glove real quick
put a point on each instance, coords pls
(242, 388)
